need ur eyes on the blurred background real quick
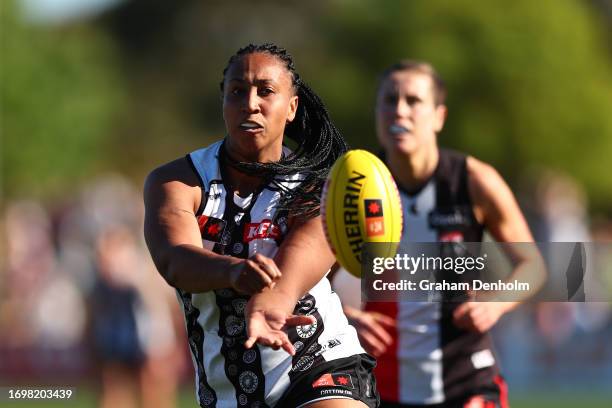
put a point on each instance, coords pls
(96, 93)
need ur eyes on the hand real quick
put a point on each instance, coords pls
(479, 317)
(372, 329)
(268, 328)
(254, 274)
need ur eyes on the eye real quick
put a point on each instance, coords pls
(412, 100)
(265, 91)
(390, 99)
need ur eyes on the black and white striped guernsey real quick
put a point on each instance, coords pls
(228, 375)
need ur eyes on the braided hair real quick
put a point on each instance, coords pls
(319, 142)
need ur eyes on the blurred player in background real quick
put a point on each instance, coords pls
(438, 353)
(234, 227)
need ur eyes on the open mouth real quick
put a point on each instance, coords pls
(398, 129)
(250, 125)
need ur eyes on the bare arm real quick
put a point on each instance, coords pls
(304, 258)
(172, 196)
(496, 208)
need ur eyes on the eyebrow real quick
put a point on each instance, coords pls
(256, 82)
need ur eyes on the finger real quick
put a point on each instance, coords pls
(262, 273)
(270, 267)
(385, 320)
(382, 335)
(371, 345)
(295, 320)
(288, 347)
(461, 310)
(250, 341)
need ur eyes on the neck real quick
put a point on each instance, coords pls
(236, 179)
(411, 171)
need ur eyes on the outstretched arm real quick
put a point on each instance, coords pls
(172, 195)
(304, 258)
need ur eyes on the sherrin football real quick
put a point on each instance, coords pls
(359, 204)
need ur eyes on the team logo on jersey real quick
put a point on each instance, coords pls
(242, 399)
(248, 381)
(306, 331)
(259, 230)
(211, 228)
(334, 380)
(374, 220)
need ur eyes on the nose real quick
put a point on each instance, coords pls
(401, 108)
(251, 102)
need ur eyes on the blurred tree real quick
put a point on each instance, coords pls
(59, 94)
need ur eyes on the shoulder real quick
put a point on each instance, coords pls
(483, 179)
(179, 170)
(176, 180)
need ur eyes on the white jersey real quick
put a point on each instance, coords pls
(228, 375)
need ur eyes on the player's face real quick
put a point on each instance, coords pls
(407, 117)
(258, 101)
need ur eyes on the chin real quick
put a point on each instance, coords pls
(401, 146)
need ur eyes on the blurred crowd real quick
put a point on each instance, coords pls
(82, 304)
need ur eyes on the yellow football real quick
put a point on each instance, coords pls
(360, 204)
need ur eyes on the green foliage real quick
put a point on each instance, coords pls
(530, 83)
(59, 93)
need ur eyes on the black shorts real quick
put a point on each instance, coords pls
(350, 378)
(495, 396)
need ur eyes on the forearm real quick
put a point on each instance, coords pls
(194, 269)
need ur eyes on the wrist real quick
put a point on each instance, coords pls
(269, 299)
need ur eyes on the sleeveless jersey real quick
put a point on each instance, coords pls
(432, 360)
(227, 374)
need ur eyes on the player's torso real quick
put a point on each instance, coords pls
(432, 360)
(226, 373)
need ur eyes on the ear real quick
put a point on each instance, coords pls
(440, 117)
(293, 105)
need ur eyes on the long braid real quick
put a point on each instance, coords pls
(319, 142)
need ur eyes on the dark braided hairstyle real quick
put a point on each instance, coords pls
(319, 142)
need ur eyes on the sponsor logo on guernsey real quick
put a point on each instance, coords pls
(449, 218)
(211, 228)
(374, 220)
(260, 230)
(451, 236)
(334, 380)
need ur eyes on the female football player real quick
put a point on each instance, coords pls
(234, 227)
